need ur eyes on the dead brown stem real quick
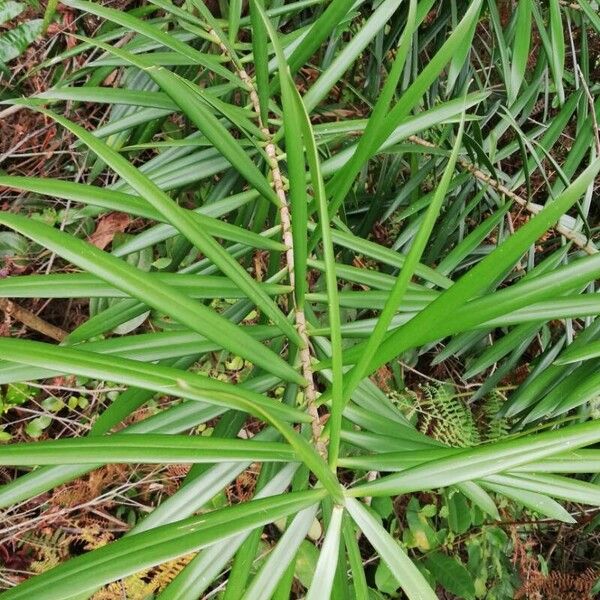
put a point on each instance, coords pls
(31, 320)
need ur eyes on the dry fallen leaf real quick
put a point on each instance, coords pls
(108, 226)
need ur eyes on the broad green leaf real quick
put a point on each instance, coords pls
(344, 179)
(451, 574)
(501, 42)
(459, 58)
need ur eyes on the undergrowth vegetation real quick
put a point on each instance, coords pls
(299, 299)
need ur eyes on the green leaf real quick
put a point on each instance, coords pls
(84, 285)
(318, 32)
(576, 354)
(520, 49)
(483, 460)
(35, 428)
(207, 566)
(133, 23)
(298, 196)
(15, 41)
(407, 575)
(193, 103)
(180, 219)
(264, 583)
(359, 582)
(324, 574)
(571, 490)
(139, 285)
(143, 448)
(163, 379)
(459, 514)
(557, 59)
(432, 321)
(539, 503)
(9, 10)
(385, 580)
(296, 111)
(401, 285)
(591, 14)
(261, 60)
(451, 574)
(367, 145)
(134, 205)
(175, 382)
(138, 552)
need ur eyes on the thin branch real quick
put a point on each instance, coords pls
(31, 320)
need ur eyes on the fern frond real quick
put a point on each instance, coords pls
(445, 417)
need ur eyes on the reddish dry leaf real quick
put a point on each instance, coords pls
(108, 226)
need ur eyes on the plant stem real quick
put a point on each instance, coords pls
(576, 237)
(310, 392)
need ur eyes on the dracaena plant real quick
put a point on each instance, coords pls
(304, 125)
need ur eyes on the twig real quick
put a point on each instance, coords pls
(576, 237)
(31, 320)
(11, 110)
(21, 142)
